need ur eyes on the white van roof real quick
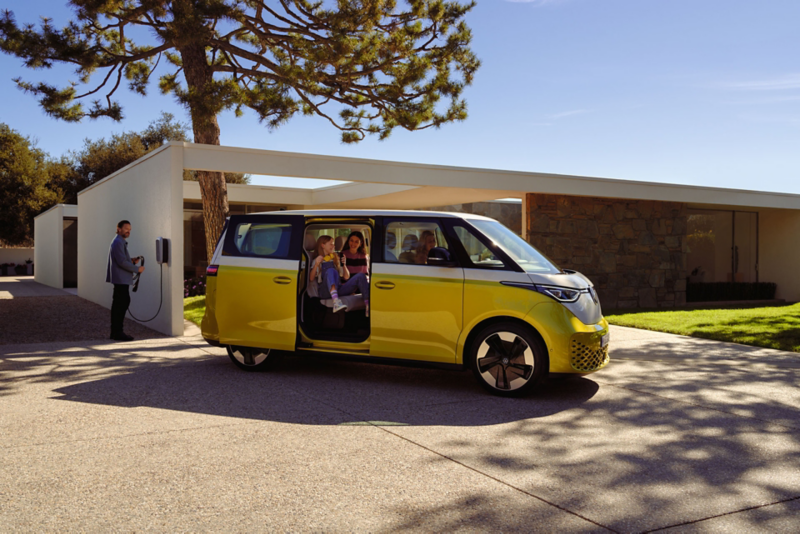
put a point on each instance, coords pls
(374, 213)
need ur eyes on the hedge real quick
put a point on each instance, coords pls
(721, 291)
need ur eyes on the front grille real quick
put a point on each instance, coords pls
(588, 357)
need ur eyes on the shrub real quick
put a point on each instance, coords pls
(721, 291)
(193, 287)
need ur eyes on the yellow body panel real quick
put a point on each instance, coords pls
(419, 319)
(485, 300)
(257, 307)
(209, 325)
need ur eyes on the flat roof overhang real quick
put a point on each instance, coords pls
(400, 185)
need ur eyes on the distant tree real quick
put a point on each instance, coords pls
(102, 157)
(24, 191)
(379, 64)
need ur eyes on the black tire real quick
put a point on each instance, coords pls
(508, 360)
(251, 359)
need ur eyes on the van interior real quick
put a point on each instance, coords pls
(317, 320)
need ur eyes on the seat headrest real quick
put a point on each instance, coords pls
(338, 244)
(410, 242)
(309, 242)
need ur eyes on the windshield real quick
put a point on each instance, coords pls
(517, 248)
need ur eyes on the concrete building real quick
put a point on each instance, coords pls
(639, 242)
(55, 235)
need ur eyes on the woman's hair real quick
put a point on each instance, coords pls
(422, 246)
(321, 241)
(362, 248)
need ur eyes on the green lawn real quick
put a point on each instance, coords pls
(194, 308)
(775, 327)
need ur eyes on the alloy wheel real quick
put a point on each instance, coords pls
(505, 361)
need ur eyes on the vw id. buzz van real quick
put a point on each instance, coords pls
(446, 289)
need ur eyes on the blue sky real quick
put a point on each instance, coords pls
(700, 92)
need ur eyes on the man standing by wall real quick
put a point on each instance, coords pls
(120, 273)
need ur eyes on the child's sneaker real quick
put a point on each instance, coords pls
(338, 305)
(366, 309)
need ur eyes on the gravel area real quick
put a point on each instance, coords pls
(65, 318)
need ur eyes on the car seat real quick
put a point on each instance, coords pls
(338, 243)
(409, 253)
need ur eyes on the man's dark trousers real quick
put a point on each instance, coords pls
(119, 306)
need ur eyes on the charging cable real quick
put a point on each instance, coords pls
(136, 278)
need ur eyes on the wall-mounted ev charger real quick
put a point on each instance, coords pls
(162, 257)
(162, 250)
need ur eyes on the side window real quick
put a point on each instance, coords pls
(479, 254)
(409, 241)
(270, 240)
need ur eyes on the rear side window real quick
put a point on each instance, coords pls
(264, 236)
(263, 240)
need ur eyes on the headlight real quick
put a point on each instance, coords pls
(561, 294)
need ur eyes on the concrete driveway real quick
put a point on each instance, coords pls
(166, 434)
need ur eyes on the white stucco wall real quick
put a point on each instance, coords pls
(48, 239)
(15, 255)
(779, 253)
(148, 193)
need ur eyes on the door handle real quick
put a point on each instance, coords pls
(384, 285)
(283, 280)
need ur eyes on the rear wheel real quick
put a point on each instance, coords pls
(508, 360)
(251, 359)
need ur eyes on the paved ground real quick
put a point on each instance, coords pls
(166, 434)
(54, 315)
(14, 287)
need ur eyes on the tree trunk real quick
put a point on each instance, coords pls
(213, 190)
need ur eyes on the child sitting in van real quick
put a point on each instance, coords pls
(327, 266)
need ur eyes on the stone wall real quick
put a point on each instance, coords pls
(634, 251)
(508, 213)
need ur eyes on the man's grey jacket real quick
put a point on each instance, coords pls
(120, 268)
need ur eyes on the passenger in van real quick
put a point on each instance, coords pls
(356, 254)
(427, 241)
(391, 242)
(409, 249)
(326, 266)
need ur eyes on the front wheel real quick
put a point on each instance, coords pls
(251, 359)
(508, 360)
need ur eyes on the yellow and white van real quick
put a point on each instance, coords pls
(474, 296)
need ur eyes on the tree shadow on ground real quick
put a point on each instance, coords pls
(667, 434)
(674, 435)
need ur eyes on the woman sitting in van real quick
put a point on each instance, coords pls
(327, 266)
(426, 242)
(356, 254)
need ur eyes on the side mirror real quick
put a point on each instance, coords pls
(440, 257)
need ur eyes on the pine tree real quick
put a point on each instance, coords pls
(366, 66)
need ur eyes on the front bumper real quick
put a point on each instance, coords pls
(586, 351)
